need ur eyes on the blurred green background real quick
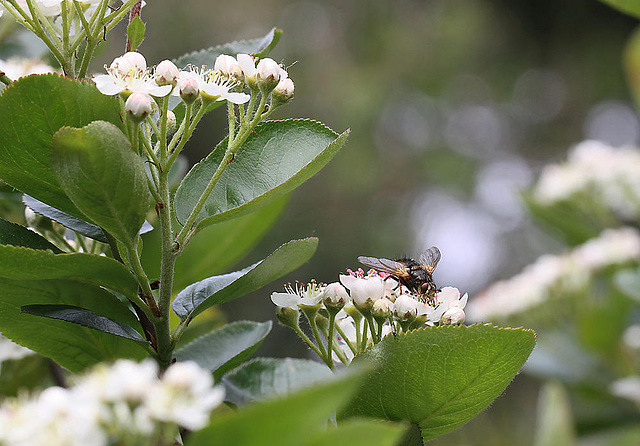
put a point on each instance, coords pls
(454, 107)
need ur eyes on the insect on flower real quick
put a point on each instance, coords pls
(415, 275)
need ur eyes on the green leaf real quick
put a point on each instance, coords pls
(273, 161)
(285, 422)
(84, 317)
(258, 47)
(225, 348)
(267, 377)
(16, 235)
(629, 7)
(358, 433)
(440, 377)
(72, 346)
(554, 422)
(29, 264)
(199, 296)
(216, 248)
(135, 32)
(104, 177)
(32, 110)
(70, 222)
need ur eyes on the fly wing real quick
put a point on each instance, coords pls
(386, 265)
(430, 258)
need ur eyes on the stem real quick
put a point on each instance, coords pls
(311, 317)
(346, 340)
(187, 133)
(372, 327)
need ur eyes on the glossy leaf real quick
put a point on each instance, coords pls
(216, 248)
(70, 222)
(29, 264)
(219, 289)
(267, 377)
(72, 346)
(440, 377)
(16, 235)
(84, 317)
(283, 422)
(273, 161)
(32, 110)
(103, 176)
(259, 47)
(630, 7)
(554, 424)
(135, 32)
(225, 348)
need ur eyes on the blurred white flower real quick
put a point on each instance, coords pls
(628, 388)
(185, 397)
(543, 279)
(594, 172)
(16, 67)
(10, 350)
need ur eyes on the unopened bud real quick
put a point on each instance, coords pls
(172, 123)
(288, 316)
(405, 308)
(382, 309)
(138, 106)
(129, 61)
(453, 316)
(189, 90)
(284, 88)
(335, 296)
(267, 74)
(166, 73)
(228, 66)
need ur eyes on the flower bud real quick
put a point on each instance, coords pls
(405, 308)
(453, 316)
(289, 317)
(189, 89)
(129, 61)
(138, 106)
(172, 123)
(382, 309)
(268, 74)
(335, 296)
(228, 66)
(166, 73)
(284, 89)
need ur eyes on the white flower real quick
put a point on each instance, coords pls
(186, 396)
(364, 291)
(248, 65)
(10, 350)
(301, 296)
(16, 67)
(188, 89)
(382, 308)
(628, 388)
(129, 74)
(550, 276)
(214, 86)
(453, 316)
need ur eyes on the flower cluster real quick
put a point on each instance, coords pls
(128, 75)
(595, 175)
(551, 276)
(123, 404)
(349, 316)
(16, 67)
